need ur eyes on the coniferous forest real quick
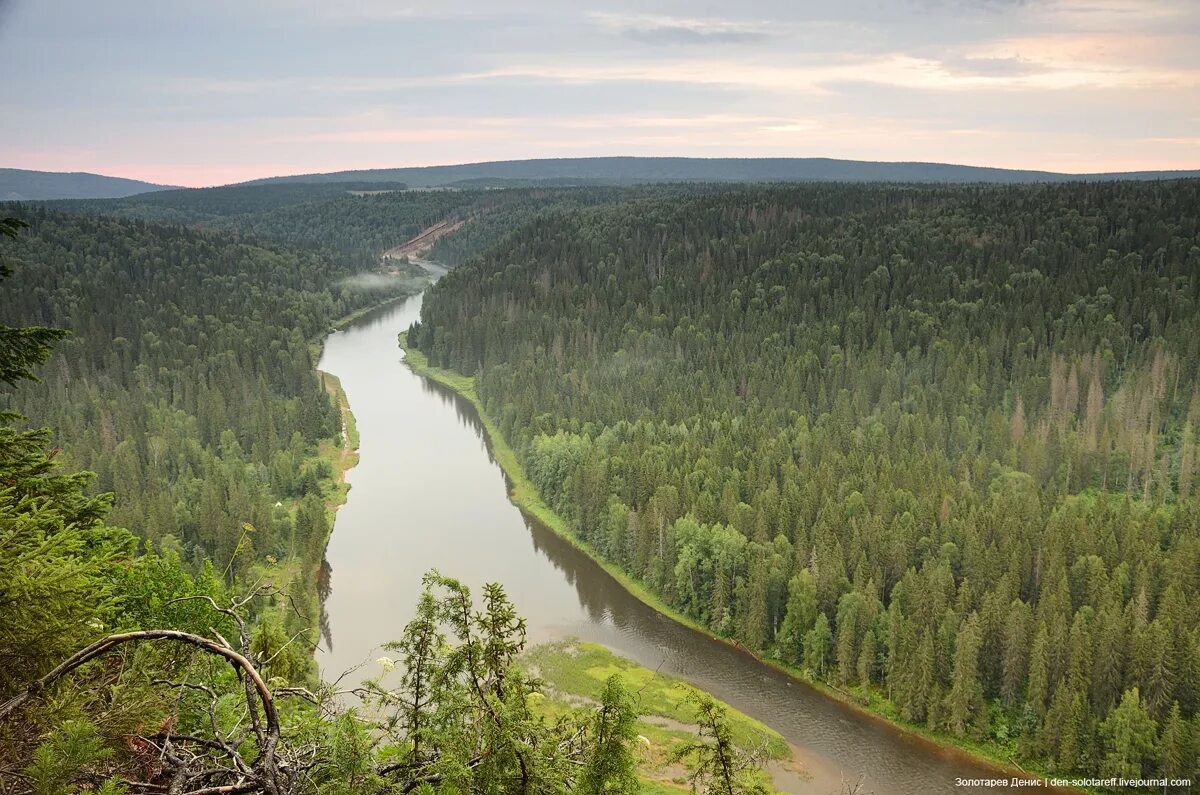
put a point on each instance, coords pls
(188, 383)
(932, 446)
(159, 614)
(606, 398)
(936, 446)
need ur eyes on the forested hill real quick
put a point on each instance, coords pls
(357, 220)
(633, 170)
(188, 383)
(18, 184)
(197, 205)
(935, 444)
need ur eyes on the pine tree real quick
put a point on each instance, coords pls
(718, 766)
(610, 768)
(1039, 672)
(1177, 757)
(818, 642)
(1015, 665)
(965, 701)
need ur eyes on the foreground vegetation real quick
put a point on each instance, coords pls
(932, 445)
(576, 674)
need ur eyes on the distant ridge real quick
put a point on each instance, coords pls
(629, 170)
(18, 184)
(24, 185)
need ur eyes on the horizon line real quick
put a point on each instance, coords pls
(466, 163)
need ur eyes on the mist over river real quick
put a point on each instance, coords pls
(426, 494)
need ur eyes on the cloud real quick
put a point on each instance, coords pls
(366, 282)
(277, 86)
(680, 34)
(991, 67)
(897, 70)
(804, 126)
(1193, 140)
(675, 30)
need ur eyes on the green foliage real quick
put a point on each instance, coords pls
(460, 714)
(800, 617)
(71, 747)
(610, 767)
(817, 646)
(59, 581)
(60, 566)
(188, 383)
(936, 444)
(1130, 738)
(965, 699)
(718, 766)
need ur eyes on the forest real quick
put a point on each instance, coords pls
(164, 506)
(356, 221)
(188, 382)
(934, 446)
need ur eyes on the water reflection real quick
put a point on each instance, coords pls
(428, 494)
(324, 588)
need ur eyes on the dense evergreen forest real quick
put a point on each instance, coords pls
(176, 658)
(188, 383)
(359, 221)
(634, 170)
(356, 221)
(936, 445)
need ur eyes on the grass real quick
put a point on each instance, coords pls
(574, 674)
(525, 496)
(581, 669)
(340, 454)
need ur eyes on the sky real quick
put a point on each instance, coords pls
(191, 93)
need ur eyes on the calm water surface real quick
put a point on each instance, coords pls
(426, 494)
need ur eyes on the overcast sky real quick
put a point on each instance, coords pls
(212, 92)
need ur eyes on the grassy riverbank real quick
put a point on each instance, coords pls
(574, 674)
(870, 704)
(524, 495)
(341, 454)
(338, 456)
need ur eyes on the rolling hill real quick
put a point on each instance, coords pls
(629, 170)
(18, 184)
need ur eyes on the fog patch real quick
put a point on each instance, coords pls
(365, 282)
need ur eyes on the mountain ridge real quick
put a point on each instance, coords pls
(628, 170)
(31, 185)
(20, 184)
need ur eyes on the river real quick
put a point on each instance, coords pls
(426, 494)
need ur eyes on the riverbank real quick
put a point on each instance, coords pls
(525, 496)
(341, 455)
(574, 674)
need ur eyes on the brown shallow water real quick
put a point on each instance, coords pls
(427, 494)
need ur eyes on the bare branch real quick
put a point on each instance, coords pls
(255, 686)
